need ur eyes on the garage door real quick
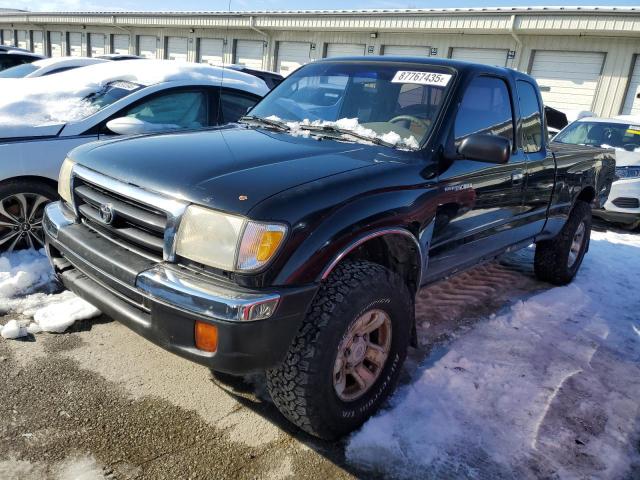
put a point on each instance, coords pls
(292, 55)
(177, 49)
(147, 46)
(55, 44)
(120, 44)
(7, 37)
(568, 80)
(211, 51)
(632, 102)
(75, 44)
(97, 43)
(249, 53)
(38, 42)
(22, 39)
(488, 56)
(344, 50)
(406, 51)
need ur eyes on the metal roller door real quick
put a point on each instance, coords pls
(211, 51)
(75, 44)
(22, 39)
(406, 51)
(568, 80)
(147, 46)
(344, 50)
(177, 49)
(632, 101)
(488, 56)
(292, 55)
(97, 43)
(249, 53)
(38, 41)
(120, 44)
(55, 44)
(7, 37)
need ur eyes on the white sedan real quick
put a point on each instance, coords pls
(622, 133)
(48, 66)
(41, 119)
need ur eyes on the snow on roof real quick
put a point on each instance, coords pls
(59, 98)
(66, 61)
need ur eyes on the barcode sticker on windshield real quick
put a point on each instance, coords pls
(422, 78)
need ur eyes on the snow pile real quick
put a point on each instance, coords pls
(22, 273)
(351, 124)
(550, 388)
(59, 98)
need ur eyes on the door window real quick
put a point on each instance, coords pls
(173, 111)
(485, 109)
(234, 105)
(531, 118)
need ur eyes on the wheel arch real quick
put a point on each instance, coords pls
(30, 178)
(397, 249)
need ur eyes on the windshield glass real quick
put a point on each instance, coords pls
(19, 71)
(623, 136)
(111, 93)
(395, 104)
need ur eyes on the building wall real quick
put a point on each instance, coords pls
(617, 36)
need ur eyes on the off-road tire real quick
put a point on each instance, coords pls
(302, 385)
(31, 187)
(551, 261)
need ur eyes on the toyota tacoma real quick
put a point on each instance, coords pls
(294, 241)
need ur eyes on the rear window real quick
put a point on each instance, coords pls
(19, 71)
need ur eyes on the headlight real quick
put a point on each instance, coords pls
(64, 181)
(628, 172)
(225, 241)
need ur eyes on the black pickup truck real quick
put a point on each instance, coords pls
(294, 242)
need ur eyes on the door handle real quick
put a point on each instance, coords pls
(516, 177)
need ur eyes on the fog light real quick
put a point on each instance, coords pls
(206, 336)
(260, 311)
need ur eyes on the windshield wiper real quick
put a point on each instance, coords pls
(265, 122)
(344, 131)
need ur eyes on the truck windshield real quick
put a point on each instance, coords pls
(625, 136)
(392, 104)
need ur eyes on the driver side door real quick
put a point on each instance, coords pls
(483, 202)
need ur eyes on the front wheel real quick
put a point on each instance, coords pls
(346, 358)
(557, 260)
(22, 205)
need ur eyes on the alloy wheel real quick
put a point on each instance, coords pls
(21, 221)
(576, 245)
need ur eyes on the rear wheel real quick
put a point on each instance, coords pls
(557, 260)
(347, 355)
(22, 205)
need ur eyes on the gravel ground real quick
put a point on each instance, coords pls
(101, 402)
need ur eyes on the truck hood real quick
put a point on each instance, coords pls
(230, 169)
(10, 132)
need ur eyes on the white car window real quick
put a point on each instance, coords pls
(179, 110)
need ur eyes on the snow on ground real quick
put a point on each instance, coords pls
(26, 283)
(549, 388)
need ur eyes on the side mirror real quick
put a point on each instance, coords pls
(485, 148)
(134, 126)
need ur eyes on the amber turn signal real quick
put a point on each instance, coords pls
(206, 336)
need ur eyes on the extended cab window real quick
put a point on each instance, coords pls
(177, 110)
(485, 109)
(531, 118)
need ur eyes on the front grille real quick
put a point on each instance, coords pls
(626, 202)
(132, 222)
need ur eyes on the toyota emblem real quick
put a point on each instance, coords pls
(106, 213)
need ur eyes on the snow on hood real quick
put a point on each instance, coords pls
(352, 125)
(59, 98)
